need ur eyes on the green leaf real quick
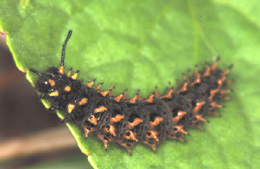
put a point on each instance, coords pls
(139, 44)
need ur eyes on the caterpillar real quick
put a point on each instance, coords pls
(126, 122)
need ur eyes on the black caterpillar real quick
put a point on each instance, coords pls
(126, 122)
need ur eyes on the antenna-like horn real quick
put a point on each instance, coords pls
(61, 70)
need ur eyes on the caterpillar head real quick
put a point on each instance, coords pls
(48, 80)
